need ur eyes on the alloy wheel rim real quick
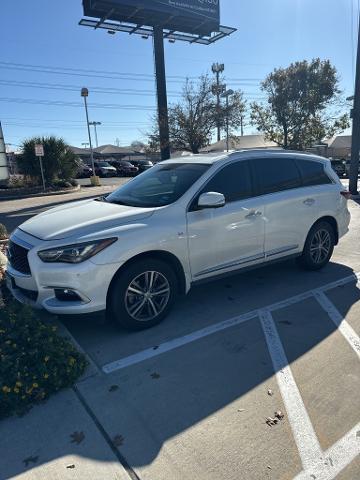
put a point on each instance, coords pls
(320, 246)
(147, 296)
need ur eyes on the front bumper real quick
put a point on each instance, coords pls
(89, 280)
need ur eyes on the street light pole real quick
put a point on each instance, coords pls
(95, 124)
(94, 179)
(226, 95)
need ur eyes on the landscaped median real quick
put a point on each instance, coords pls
(35, 361)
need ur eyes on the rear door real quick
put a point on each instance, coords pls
(222, 239)
(289, 208)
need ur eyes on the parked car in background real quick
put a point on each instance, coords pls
(104, 169)
(124, 168)
(142, 165)
(339, 166)
(84, 171)
(135, 250)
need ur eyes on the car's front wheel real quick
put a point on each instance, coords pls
(142, 294)
(319, 246)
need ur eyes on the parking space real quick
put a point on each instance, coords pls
(197, 406)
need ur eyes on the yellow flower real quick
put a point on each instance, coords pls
(46, 375)
(16, 390)
(35, 385)
(47, 358)
(18, 384)
(72, 361)
(6, 389)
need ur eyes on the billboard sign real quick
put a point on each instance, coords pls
(190, 16)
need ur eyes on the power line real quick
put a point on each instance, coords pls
(105, 74)
(75, 104)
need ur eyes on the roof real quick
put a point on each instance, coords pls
(212, 158)
(241, 143)
(340, 141)
(112, 149)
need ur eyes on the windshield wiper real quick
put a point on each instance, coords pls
(101, 199)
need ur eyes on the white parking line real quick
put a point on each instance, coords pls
(303, 431)
(218, 327)
(344, 328)
(336, 458)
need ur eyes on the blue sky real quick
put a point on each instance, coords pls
(41, 33)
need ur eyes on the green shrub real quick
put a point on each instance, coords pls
(35, 361)
(3, 232)
(61, 184)
(74, 182)
(59, 161)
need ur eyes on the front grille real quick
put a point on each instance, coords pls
(18, 258)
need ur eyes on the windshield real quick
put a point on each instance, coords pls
(103, 164)
(160, 186)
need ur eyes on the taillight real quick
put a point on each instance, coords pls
(346, 194)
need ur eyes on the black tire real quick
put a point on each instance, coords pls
(122, 302)
(315, 257)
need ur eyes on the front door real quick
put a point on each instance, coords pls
(226, 238)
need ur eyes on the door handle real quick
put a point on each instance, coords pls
(254, 214)
(309, 201)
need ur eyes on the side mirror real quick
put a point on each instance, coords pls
(211, 200)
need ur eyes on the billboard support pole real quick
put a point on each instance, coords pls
(159, 59)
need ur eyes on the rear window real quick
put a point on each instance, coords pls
(312, 173)
(276, 174)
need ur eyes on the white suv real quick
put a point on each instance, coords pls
(181, 222)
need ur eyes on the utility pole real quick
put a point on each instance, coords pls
(355, 139)
(217, 69)
(226, 95)
(159, 60)
(95, 124)
(242, 125)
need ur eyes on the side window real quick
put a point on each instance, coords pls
(276, 174)
(233, 181)
(313, 173)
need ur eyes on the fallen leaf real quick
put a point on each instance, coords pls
(155, 376)
(113, 388)
(269, 467)
(241, 410)
(271, 421)
(118, 440)
(279, 414)
(270, 393)
(77, 437)
(29, 460)
(285, 322)
(70, 466)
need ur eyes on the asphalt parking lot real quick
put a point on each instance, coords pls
(252, 377)
(190, 397)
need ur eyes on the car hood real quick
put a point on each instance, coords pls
(79, 219)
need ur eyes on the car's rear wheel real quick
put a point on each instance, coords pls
(143, 294)
(319, 246)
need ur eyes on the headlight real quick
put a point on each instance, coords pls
(75, 253)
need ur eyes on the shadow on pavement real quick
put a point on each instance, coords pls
(159, 399)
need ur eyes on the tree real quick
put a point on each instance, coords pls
(138, 146)
(193, 119)
(59, 161)
(301, 102)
